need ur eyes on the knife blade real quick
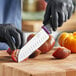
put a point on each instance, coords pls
(40, 38)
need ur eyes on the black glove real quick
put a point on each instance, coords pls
(57, 12)
(11, 36)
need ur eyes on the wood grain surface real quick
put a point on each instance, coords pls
(42, 65)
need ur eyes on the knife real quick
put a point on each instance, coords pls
(39, 39)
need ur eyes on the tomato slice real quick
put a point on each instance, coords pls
(9, 51)
(14, 55)
(61, 53)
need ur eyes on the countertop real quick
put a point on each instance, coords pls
(42, 65)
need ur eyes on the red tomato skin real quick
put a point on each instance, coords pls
(48, 45)
(9, 51)
(61, 53)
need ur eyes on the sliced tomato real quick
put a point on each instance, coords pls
(9, 51)
(14, 55)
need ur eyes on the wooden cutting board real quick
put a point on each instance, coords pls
(42, 65)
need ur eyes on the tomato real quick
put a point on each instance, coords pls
(62, 37)
(74, 33)
(30, 37)
(73, 45)
(9, 51)
(14, 55)
(68, 41)
(35, 54)
(61, 52)
(48, 45)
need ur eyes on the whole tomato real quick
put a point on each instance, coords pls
(62, 37)
(69, 41)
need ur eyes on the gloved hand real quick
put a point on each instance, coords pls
(11, 36)
(57, 12)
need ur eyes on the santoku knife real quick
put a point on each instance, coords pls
(39, 39)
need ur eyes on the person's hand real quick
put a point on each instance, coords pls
(11, 36)
(57, 12)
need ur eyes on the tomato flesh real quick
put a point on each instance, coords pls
(14, 55)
